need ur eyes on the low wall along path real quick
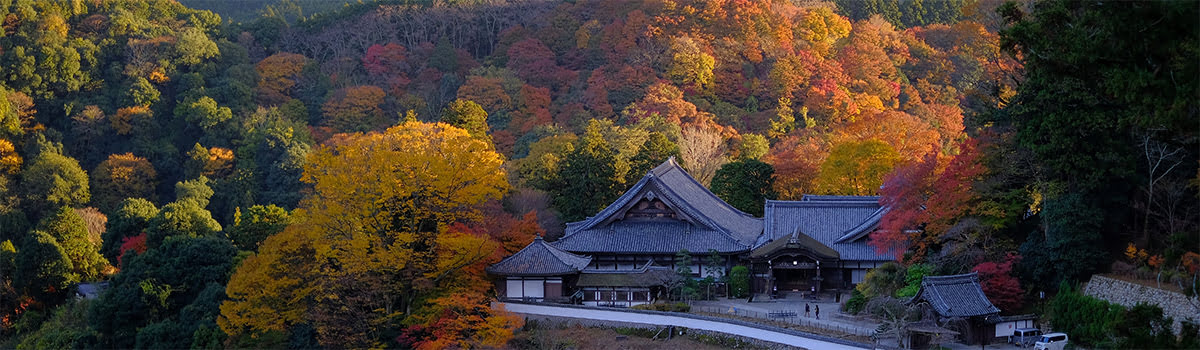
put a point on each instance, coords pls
(733, 327)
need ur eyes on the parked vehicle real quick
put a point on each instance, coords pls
(1025, 337)
(1051, 341)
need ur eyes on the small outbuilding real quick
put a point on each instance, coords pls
(959, 302)
(538, 272)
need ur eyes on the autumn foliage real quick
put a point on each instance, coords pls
(352, 235)
(999, 284)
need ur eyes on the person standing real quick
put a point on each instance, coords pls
(818, 312)
(805, 309)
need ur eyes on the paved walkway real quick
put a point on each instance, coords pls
(668, 320)
(831, 317)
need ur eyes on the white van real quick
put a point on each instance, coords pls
(1024, 337)
(1051, 341)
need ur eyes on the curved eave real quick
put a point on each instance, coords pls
(798, 241)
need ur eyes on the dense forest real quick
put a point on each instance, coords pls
(316, 175)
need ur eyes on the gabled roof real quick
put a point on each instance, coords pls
(955, 296)
(540, 259)
(837, 222)
(703, 221)
(797, 240)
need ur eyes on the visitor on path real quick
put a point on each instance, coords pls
(818, 312)
(805, 309)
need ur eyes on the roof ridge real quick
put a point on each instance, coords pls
(676, 166)
(821, 204)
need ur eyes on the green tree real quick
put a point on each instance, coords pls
(160, 285)
(753, 146)
(656, 150)
(1110, 85)
(587, 177)
(745, 184)
(67, 328)
(43, 267)
(53, 180)
(256, 224)
(142, 93)
(70, 231)
(185, 216)
(131, 218)
(193, 46)
(203, 112)
(739, 282)
(469, 116)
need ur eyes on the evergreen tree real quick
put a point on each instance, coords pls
(587, 180)
(745, 184)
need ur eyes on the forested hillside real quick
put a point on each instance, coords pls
(341, 178)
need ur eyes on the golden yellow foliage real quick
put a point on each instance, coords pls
(220, 160)
(380, 207)
(158, 76)
(10, 161)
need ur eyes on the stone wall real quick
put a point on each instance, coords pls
(1175, 305)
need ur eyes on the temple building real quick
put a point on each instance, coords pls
(627, 253)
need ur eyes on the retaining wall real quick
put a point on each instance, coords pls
(1174, 304)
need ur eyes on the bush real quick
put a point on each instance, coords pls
(1145, 327)
(675, 307)
(739, 282)
(856, 303)
(1088, 320)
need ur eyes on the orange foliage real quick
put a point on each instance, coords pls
(122, 176)
(533, 110)
(907, 134)
(355, 108)
(128, 117)
(487, 92)
(220, 161)
(277, 75)
(797, 161)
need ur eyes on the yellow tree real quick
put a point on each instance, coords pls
(370, 245)
(856, 168)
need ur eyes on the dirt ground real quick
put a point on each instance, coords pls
(581, 337)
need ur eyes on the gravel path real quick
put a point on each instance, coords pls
(668, 320)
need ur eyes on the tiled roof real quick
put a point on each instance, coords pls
(797, 240)
(744, 227)
(649, 236)
(704, 221)
(540, 259)
(838, 222)
(955, 296)
(647, 276)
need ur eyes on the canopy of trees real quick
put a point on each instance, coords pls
(345, 161)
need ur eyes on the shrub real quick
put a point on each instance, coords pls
(739, 282)
(675, 307)
(1088, 320)
(856, 303)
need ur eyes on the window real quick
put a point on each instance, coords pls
(514, 288)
